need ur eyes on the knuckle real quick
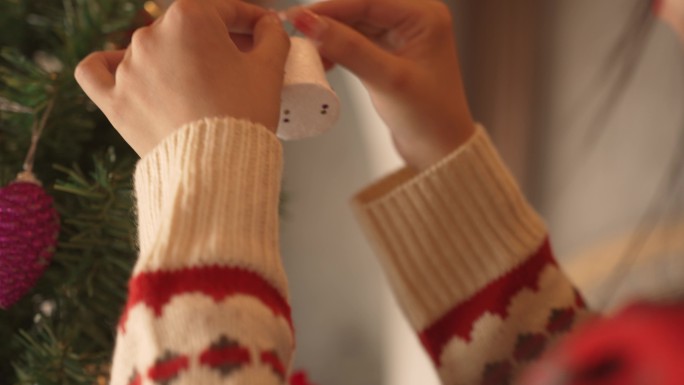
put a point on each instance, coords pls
(181, 11)
(141, 38)
(124, 70)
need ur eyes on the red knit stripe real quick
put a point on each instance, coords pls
(214, 357)
(168, 369)
(493, 299)
(155, 289)
(273, 361)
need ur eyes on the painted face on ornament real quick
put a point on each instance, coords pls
(309, 105)
(307, 110)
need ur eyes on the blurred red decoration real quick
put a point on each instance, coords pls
(29, 225)
(300, 378)
(643, 344)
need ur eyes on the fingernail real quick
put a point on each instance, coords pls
(309, 23)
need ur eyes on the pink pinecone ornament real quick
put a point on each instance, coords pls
(29, 225)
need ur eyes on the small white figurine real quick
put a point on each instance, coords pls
(309, 105)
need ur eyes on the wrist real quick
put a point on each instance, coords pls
(424, 155)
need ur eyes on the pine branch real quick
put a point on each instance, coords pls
(48, 360)
(86, 281)
(85, 286)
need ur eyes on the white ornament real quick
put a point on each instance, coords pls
(309, 105)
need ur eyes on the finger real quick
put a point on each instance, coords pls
(242, 41)
(343, 45)
(95, 73)
(238, 16)
(381, 13)
(270, 39)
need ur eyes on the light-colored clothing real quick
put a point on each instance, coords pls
(467, 258)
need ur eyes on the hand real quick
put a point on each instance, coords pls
(405, 54)
(185, 67)
(671, 12)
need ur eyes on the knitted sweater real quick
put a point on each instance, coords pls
(467, 258)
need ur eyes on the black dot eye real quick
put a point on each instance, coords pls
(324, 112)
(286, 120)
(325, 106)
(287, 112)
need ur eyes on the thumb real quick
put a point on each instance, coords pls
(95, 73)
(270, 39)
(344, 45)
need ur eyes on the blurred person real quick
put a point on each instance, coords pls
(467, 257)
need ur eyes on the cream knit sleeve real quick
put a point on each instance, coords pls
(470, 264)
(208, 300)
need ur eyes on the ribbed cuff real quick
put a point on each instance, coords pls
(445, 233)
(209, 195)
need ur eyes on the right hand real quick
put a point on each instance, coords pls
(671, 12)
(405, 54)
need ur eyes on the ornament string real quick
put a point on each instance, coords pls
(36, 132)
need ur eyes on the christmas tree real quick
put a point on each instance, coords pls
(62, 329)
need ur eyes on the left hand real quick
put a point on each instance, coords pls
(404, 53)
(185, 67)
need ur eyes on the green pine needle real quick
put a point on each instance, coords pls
(87, 168)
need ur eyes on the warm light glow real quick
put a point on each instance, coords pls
(153, 9)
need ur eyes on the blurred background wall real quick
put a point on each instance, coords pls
(603, 197)
(528, 65)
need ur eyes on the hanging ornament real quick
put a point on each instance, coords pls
(310, 106)
(29, 225)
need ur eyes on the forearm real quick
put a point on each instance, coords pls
(470, 263)
(208, 300)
